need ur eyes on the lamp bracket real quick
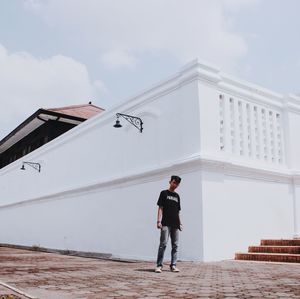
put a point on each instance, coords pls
(36, 166)
(136, 121)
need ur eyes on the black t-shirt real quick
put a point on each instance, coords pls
(170, 202)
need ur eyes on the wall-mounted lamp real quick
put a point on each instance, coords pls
(36, 166)
(136, 121)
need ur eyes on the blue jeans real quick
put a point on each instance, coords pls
(165, 232)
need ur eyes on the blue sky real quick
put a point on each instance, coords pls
(62, 52)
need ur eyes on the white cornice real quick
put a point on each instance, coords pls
(225, 83)
(250, 92)
(246, 169)
(194, 163)
(209, 74)
(292, 103)
(200, 71)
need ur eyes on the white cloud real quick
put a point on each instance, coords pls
(100, 87)
(28, 83)
(117, 58)
(235, 5)
(181, 29)
(34, 5)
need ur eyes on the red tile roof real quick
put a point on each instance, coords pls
(84, 111)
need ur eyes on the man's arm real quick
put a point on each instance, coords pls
(159, 217)
(180, 224)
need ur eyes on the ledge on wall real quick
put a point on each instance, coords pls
(94, 255)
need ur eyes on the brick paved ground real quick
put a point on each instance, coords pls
(54, 276)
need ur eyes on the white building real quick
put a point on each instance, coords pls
(234, 144)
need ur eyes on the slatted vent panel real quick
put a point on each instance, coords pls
(250, 130)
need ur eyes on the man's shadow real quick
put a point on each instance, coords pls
(144, 270)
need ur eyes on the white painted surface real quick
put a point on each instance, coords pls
(98, 187)
(239, 212)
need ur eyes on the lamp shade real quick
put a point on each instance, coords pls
(117, 124)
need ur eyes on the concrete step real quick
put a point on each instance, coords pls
(280, 242)
(275, 249)
(269, 257)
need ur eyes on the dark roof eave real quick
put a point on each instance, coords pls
(61, 115)
(35, 115)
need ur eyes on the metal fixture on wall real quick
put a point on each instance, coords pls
(36, 166)
(136, 121)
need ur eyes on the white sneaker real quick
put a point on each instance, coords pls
(174, 269)
(158, 269)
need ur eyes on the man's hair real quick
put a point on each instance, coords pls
(176, 178)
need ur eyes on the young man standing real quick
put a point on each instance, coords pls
(168, 221)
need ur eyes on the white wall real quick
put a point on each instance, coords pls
(294, 140)
(209, 119)
(240, 212)
(296, 204)
(120, 220)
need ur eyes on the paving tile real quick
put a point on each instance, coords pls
(52, 276)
